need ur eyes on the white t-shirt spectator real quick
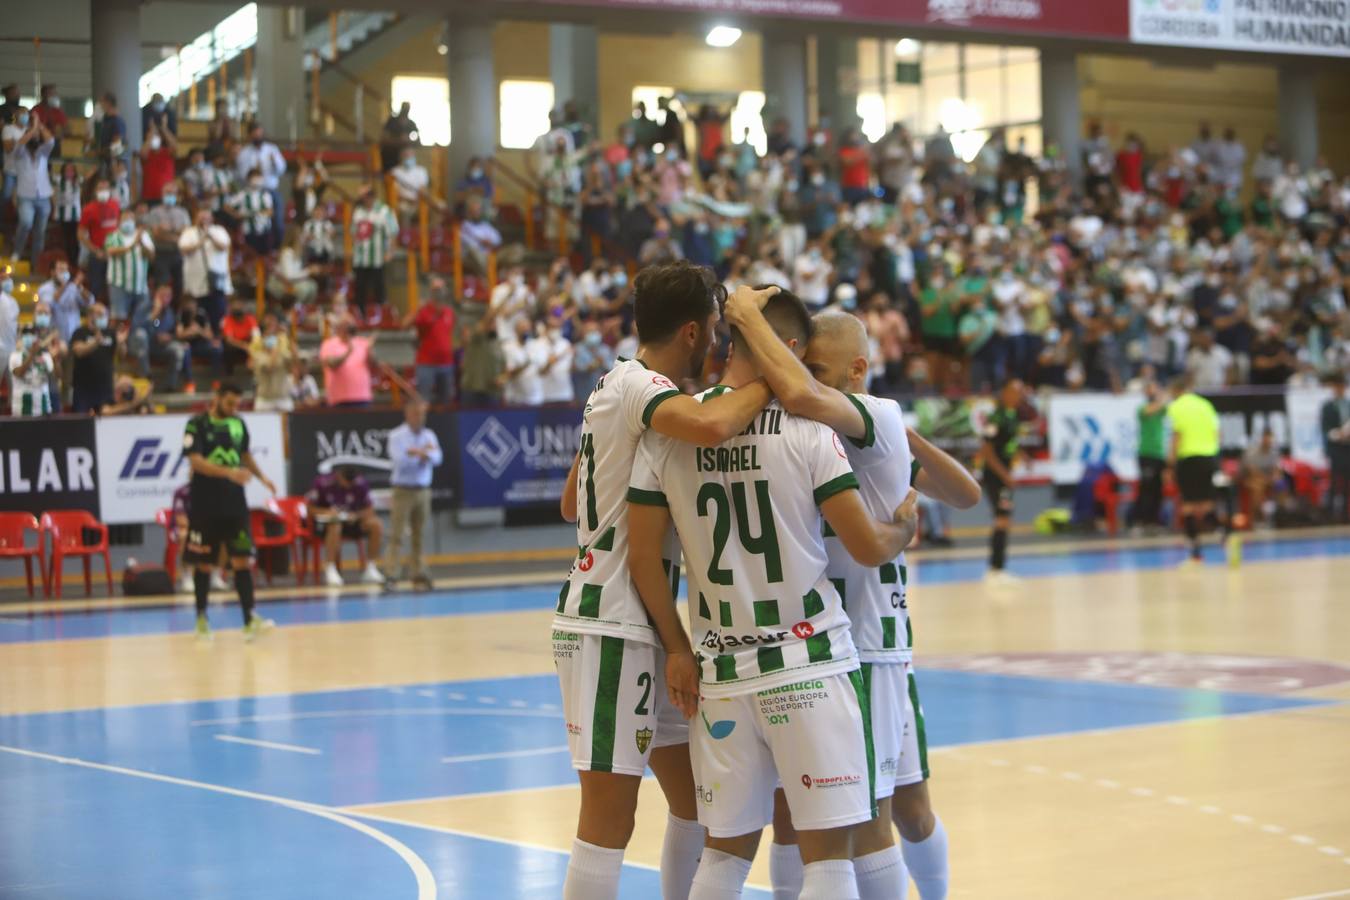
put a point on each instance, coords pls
(201, 256)
(763, 272)
(590, 287)
(479, 237)
(1210, 367)
(557, 378)
(811, 278)
(511, 300)
(525, 388)
(1084, 229)
(412, 181)
(1008, 294)
(11, 133)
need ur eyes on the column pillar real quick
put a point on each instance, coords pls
(1061, 108)
(573, 67)
(837, 82)
(784, 68)
(115, 30)
(1298, 112)
(473, 93)
(279, 67)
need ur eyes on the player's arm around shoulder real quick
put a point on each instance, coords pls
(940, 476)
(705, 424)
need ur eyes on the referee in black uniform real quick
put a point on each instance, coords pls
(217, 448)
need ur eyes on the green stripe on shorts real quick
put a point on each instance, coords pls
(604, 721)
(590, 601)
(921, 737)
(861, 679)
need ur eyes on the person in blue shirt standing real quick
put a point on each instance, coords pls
(414, 452)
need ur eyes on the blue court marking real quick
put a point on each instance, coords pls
(55, 624)
(74, 832)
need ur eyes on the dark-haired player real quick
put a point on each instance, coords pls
(608, 657)
(998, 454)
(216, 445)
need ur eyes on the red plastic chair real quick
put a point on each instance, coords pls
(259, 519)
(305, 544)
(14, 527)
(67, 529)
(1106, 491)
(172, 549)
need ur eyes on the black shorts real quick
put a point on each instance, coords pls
(1195, 478)
(949, 346)
(999, 495)
(206, 535)
(352, 529)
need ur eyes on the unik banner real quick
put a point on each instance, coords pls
(1313, 27)
(1092, 429)
(1307, 443)
(48, 464)
(324, 440)
(517, 457)
(141, 462)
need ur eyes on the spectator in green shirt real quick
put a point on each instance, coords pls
(938, 308)
(978, 331)
(1152, 456)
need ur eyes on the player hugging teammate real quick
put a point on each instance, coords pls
(798, 673)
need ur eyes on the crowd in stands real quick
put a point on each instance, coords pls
(1155, 262)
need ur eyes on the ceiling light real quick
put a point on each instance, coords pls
(906, 47)
(723, 36)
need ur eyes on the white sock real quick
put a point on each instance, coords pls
(785, 871)
(927, 863)
(721, 876)
(881, 875)
(592, 872)
(829, 879)
(680, 853)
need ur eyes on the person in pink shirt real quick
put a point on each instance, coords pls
(348, 363)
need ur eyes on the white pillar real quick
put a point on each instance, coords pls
(1298, 112)
(837, 82)
(1061, 109)
(574, 69)
(280, 72)
(115, 29)
(473, 93)
(785, 82)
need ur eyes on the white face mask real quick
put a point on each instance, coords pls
(103, 196)
(155, 142)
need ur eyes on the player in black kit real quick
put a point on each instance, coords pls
(216, 445)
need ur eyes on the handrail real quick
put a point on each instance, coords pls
(614, 250)
(340, 70)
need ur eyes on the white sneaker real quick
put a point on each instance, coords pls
(218, 582)
(372, 574)
(332, 577)
(185, 585)
(1000, 578)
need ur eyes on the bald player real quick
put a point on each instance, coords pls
(887, 459)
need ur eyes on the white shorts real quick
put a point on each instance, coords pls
(615, 702)
(813, 732)
(897, 726)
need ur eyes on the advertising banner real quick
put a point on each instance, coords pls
(1107, 19)
(1090, 429)
(1314, 27)
(517, 457)
(141, 462)
(48, 464)
(1245, 415)
(1306, 442)
(326, 439)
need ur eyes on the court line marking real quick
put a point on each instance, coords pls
(270, 745)
(507, 754)
(426, 882)
(1344, 893)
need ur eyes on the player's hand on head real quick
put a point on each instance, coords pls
(682, 682)
(746, 299)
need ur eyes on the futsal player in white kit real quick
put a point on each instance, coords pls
(773, 657)
(831, 387)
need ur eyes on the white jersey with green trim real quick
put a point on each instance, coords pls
(747, 512)
(875, 597)
(599, 597)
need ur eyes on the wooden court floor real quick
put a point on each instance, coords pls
(1055, 778)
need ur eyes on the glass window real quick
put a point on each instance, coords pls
(747, 120)
(524, 112)
(429, 99)
(983, 56)
(1023, 91)
(648, 94)
(872, 111)
(939, 58)
(938, 93)
(984, 96)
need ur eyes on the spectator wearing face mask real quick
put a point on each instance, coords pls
(94, 347)
(271, 356)
(523, 356)
(236, 333)
(591, 358)
(33, 185)
(348, 360)
(412, 180)
(477, 180)
(98, 220)
(30, 371)
(50, 337)
(166, 223)
(158, 153)
(556, 371)
(264, 156)
(67, 205)
(205, 251)
(308, 186)
(10, 134)
(129, 251)
(65, 297)
(253, 207)
(50, 113)
(434, 325)
(374, 236)
(811, 274)
(157, 340)
(399, 133)
(291, 281)
(110, 134)
(478, 236)
(195, 333)
(9, 322)
(661, 247)
(319, 239)
(159, 114)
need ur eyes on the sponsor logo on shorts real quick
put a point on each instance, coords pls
(574, 729)
(705, 793)
(889, 765)
(643, 738)
(719, 729)
(825, 782)
(715, 640)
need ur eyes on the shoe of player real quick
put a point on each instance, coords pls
(1233, 550)
(373, 575)
(218, 582)
(421, 582)
(185, 585)
(332, 577)
(256, 626)
(1000, 578)
(203, 630)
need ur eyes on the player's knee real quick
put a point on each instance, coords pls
(876, 835)
(742, 845)
(783, 832)
(913, 813)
